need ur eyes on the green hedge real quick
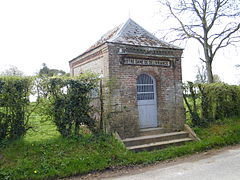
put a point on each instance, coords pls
(222, 100)
(70, 104)
(14, 101)
(207, 103)
(63, 99)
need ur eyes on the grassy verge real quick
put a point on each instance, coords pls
(43, 154)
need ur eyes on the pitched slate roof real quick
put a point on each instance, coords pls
(130, 33)
(133, 34)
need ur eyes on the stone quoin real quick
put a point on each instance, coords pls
(146, 80)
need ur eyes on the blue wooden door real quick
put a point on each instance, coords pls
(146, 99)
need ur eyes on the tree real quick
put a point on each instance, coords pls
(12, 71)
(201, 76)
(216, 78)
(238, 75)
(45, 71)
(213, 23)
(41, 82)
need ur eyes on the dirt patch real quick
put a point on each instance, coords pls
(119, 171)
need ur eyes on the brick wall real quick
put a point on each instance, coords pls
(170, 111)
(94, 61)
(121, 111)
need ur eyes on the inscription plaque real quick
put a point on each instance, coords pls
(146, 62)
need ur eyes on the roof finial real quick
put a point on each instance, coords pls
(129, 13)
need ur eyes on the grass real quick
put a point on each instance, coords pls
(43, 154)
(42, 130)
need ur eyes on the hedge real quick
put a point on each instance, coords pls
(14, 102)
(69, 103)
(207, 103)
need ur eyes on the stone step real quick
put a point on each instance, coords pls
(151, 131)
(141, 140)
(158, 145)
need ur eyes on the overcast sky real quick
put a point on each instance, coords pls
(33, 32)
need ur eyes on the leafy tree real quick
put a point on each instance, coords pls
(238, 75)
(45, 71)
(216, 78)
(213, 23)
(12, 71)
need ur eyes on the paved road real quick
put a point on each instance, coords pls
(221, 166)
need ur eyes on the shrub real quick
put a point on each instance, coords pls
(14, 101)
(207, 103)
(70, 103)
(222, 100)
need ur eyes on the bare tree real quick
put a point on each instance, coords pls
(213, 23)
(201, 76)
(12, 71)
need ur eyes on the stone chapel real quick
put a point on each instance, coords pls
(145, 97)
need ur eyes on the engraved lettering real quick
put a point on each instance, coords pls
(146, 62)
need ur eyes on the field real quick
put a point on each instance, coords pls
(44, 154)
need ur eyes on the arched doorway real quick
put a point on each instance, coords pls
(147, 101)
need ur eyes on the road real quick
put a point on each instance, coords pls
(222, 165)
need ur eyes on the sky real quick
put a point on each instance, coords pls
(33, 32)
